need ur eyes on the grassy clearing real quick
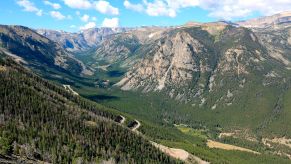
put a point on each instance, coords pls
(192, 132)
(219, 145)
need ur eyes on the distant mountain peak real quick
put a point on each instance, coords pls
(217, 23)
(283, 18)
(82, 40)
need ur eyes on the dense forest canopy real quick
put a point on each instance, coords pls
(43, 122)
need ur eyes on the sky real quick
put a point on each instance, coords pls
(76, 15)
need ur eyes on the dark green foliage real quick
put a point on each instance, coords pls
(5, 144)
(42, 121)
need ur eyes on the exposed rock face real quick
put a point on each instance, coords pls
(69, 41)
(277, 43)
(173, 62)
(122, 44)
(127, 48)
(188, 63)
(238, 59)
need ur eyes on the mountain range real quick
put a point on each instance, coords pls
(81, 41)
(182, 87)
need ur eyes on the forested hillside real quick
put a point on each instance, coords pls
(37, 51)
(42, 122)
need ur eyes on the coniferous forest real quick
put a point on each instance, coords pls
(40, 121)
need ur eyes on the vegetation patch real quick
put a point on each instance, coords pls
(192, 132)
(2, 68)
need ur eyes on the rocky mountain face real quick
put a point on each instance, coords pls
(122, 44)
(189, 61)
(127, 48)
(171, 60)
(36, 50)
(218, 70)
(196, 62)
(81, 41)
(192, 62)
(277, 41)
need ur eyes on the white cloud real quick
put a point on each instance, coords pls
(159, 8)
(56, 6)
(73, 26)
(39, 13)
(107, 22)
(177, 4)
(134, 7)
(221, 9)
(104, 7)
(78, 4)
(78, 13)
(57, 15)
(29, 7)
(85, 18)
(88, 26)
(230, 9)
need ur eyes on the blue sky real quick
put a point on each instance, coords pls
(75, 15)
